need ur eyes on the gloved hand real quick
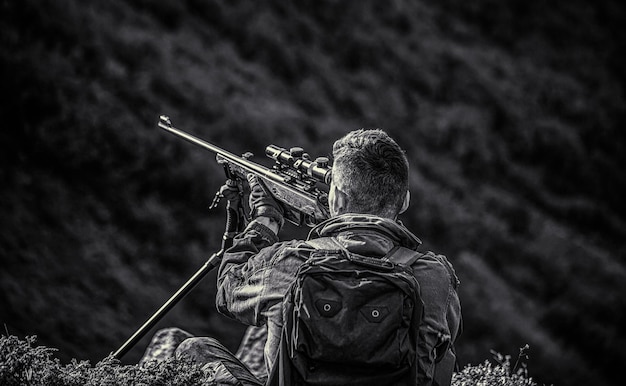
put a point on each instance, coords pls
(261, 201)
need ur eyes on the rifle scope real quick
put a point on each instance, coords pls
(297, 159)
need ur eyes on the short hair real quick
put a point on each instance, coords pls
(372, 169)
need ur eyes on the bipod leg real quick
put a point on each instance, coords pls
(231, 192)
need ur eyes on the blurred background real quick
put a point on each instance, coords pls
(511, 113)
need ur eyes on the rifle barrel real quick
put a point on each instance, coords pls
(166, 124)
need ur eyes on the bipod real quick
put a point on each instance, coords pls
(235, 217)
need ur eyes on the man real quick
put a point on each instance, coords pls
(369, 189)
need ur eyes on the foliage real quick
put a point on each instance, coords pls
(502, 373)
(486, 374)
(23, 364)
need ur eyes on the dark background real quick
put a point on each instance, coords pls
(511, 113)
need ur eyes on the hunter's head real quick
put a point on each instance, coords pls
(370, 175)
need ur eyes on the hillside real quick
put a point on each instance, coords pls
(511, 115)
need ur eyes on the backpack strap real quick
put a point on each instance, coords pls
(403, 256)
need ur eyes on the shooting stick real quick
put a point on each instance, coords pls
(232, 226)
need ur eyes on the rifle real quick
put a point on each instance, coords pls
(298, 183)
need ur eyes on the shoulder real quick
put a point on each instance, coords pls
(281, 262)
(435, 266)
(283, 251)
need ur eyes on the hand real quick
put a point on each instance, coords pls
(262, 203)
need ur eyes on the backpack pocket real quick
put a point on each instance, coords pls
(354, 316)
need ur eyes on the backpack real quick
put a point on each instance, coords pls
(350, 320)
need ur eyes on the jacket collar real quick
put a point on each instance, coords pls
(355, 230)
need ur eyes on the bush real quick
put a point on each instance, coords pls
(500, 374)
(21, 363)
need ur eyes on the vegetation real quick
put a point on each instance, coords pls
(502, 373)
(23, 364)
(511, 114)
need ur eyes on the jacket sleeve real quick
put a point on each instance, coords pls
(441, 322)
(242, 292)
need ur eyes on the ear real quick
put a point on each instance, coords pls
(405, 203)
(338, 202)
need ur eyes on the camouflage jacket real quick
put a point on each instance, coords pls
(257, 271)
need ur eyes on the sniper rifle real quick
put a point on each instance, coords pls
(298, 183)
